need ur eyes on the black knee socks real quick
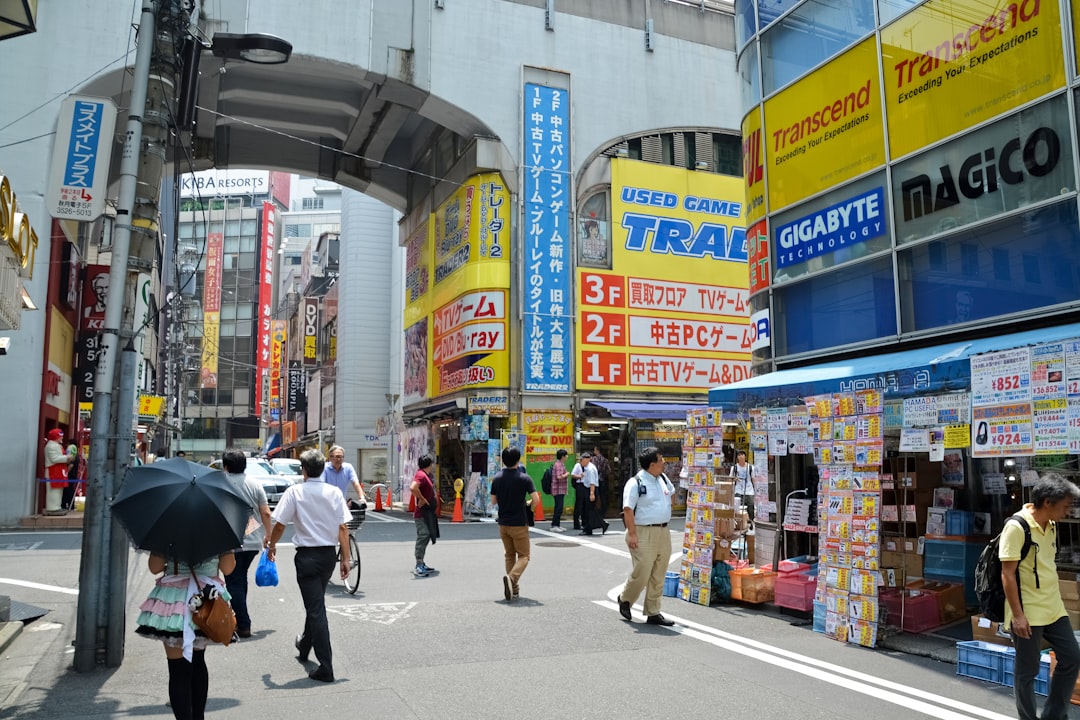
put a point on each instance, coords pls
(180, 688)
(200, 684)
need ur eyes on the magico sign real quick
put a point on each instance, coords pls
(951, 64)
(985, 173)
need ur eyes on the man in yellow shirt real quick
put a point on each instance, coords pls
(1033, 610)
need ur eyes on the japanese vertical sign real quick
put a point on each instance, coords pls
(277, 354)
(417, 309)
(309, 323)
(547, 191)
(266, 284)
(82, 150)
(471, 268)
(673, 315)
(296, 398)
(211, 311)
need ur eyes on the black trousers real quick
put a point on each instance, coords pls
(314, 565)
(581, 497)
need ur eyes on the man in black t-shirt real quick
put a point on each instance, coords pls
(509, 489)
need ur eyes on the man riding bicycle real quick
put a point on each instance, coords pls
(341, 475)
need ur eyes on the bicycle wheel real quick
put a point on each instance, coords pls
(352, 582)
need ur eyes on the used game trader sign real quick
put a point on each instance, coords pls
(673, 315)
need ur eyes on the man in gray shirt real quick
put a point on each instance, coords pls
(255, 536)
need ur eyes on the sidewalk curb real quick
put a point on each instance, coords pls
(8, 632)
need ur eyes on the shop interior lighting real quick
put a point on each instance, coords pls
(730, 424)
(674, 422)
(607, 421)
(1009, 462)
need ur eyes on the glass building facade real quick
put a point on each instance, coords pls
(910, 170)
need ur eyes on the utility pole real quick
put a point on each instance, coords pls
(103, 569)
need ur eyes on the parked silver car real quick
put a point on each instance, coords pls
(274, 483)
(289, 467)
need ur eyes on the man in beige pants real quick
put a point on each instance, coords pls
(646, 507)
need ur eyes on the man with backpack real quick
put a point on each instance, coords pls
(1034, 611)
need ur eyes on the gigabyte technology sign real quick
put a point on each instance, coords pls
(211, 183)
(848, 222)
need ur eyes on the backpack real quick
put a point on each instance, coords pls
(721, 582)
(545, 481)
(988, 587)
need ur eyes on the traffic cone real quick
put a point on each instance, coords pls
(389, 502)
(412, 503)
(538, 511)
(459, 516)
(378, 500)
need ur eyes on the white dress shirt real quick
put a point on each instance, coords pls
(316, 509)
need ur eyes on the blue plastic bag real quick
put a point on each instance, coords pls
(266, 572)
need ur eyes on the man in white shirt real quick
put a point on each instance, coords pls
(319, 512)
(581, 493)
(646, 504)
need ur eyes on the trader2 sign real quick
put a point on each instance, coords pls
(846, 223)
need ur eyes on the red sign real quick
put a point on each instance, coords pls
(757, 245)
(212, 285)
(266, 285)
(95, 292)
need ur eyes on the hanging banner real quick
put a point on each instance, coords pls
(211, 311)
(266, 285)
(309, 327)
(548, 193)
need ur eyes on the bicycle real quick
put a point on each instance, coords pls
(352, 580)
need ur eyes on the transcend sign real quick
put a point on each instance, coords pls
(981, 172)
(831, 113)
(984, 32)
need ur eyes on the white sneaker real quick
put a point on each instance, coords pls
(557, 529)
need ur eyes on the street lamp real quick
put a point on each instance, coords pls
(17, 17)
(257, 48)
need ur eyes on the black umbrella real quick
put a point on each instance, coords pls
(182, 510)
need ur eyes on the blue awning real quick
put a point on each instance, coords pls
(645, 411)
(921, 371)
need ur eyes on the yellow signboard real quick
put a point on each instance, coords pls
(466, 328)
(211, 328)
(951, 64)
(418, 273)
(826, 128)
(151, 405)
(471, 239)
(753, 153)
(672, 315)
(548, 431)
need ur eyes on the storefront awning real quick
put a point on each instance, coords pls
(443, 409)
(940, 368)
(645, 411)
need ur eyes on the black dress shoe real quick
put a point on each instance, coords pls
(603, 531)
(583, 532)
(624, 608)
(302, 648)
(245, 633)
(659, 619)
(322, 674)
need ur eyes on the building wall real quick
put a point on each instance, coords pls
(908, 181)
(368, 345)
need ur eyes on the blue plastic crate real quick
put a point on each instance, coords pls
(953, 561)
(819, 617)
(982, 660)
(1042, 680)
(959, 522)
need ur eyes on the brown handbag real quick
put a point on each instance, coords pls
(214, 617)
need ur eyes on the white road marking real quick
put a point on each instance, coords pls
(39, 586)
(880, 688)
(382, 613)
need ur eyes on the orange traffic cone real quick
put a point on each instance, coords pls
(378, 500)
(389, 502)
(459, 516)
(538, 511)
(412, 503)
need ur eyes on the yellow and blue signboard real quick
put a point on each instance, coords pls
(672, 315)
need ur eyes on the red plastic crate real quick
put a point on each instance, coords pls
(919, 613)
(796, 591)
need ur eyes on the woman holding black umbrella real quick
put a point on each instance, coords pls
(190, 518)
(166, 615)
